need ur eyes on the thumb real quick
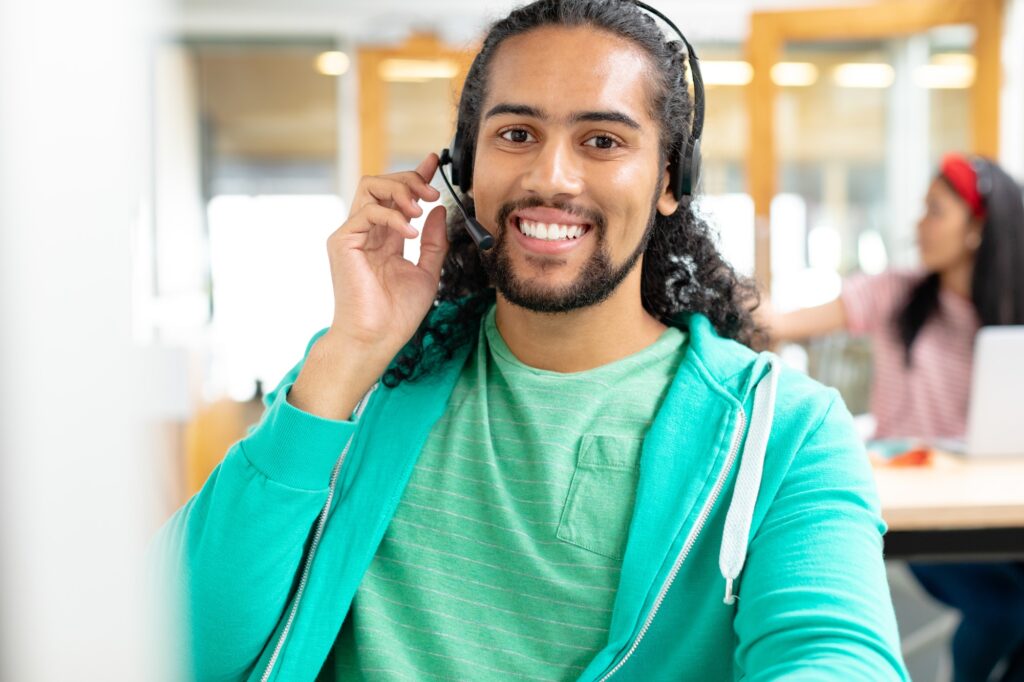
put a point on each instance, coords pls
(434, 243)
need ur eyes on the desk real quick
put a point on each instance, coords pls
(957, 508)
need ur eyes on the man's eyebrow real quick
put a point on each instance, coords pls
(610, 116)
(578, 117)
(517, 109)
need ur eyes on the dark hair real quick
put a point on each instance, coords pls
(682, 270)
(997, 282)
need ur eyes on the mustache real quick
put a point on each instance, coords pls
(588, 215)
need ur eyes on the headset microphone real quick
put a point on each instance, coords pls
(481, 237)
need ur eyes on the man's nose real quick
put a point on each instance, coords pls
(554, 171)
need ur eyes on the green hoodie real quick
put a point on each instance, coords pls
(754, 550)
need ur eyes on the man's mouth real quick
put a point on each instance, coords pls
(551, 232)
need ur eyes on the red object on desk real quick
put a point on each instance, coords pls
(918, 457)
(915, 457)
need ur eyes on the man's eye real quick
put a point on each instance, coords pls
(516, 135)
(602, 142)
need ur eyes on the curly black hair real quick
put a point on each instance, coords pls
(682, 270)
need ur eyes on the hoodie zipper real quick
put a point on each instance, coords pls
(317, 534)
(690, 541)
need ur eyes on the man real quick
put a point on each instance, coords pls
(560, 469)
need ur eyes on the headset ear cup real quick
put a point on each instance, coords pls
(693, 167)
(678, 173)
(685, 172)
(675, 174)
(462, 168)
(454, 156)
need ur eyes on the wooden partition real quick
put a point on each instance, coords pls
(373, 99)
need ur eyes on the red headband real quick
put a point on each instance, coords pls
(964, 179)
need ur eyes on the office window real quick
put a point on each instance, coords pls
(247, 197)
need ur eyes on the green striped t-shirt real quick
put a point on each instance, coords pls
(503, 557)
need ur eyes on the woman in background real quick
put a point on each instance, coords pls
(922, 326)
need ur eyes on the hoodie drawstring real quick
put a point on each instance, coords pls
(748, 481)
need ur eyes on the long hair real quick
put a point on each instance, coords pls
(997, 281)
(682, 270)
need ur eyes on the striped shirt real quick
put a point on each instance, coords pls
(503, 557)
(929, 398)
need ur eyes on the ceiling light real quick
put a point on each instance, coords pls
(721, 72)
(417, 70)
(332, 63)
(794, 74)
(863, 75)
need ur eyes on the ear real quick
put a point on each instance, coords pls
(667, 203)
(972, 240)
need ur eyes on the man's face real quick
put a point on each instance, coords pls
(566, 174)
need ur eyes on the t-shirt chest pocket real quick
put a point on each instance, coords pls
(599, 505)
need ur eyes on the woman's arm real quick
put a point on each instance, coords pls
(804, 323)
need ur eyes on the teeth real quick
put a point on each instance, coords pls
(550, 232)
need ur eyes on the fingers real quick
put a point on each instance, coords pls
(384, 191)
(434, 244)
(401, 189)
(390, 202)
(374, 215)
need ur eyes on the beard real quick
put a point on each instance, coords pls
(597, 280)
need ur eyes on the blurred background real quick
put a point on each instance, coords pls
(169, 172)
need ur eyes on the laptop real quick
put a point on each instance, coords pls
(995, 418)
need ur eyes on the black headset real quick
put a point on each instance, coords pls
(684, 167)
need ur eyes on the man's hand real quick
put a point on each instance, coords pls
(379, 297)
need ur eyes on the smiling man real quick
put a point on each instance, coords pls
(554, 459)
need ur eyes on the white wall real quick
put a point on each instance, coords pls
(1011, 114)
(75, 489)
